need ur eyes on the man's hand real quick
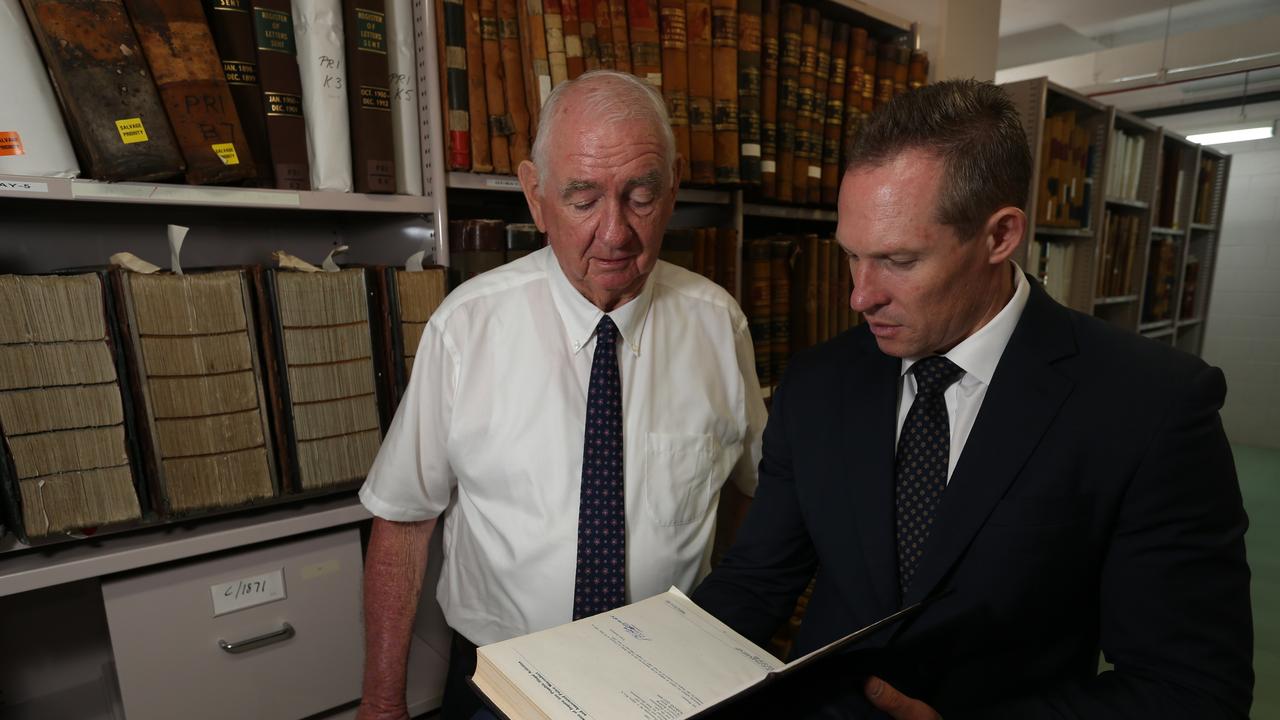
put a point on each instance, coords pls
(370, 712)
(887, 699)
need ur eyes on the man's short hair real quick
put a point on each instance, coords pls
(973, 128)
(606, 96)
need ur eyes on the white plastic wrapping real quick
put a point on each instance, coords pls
(317, 31)
(404, 97)
(33, 138)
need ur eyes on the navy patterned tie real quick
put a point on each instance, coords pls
(601, 580)
(924, 450)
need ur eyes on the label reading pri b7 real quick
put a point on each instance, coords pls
(371, 31)
(375, 98)
(131, 130)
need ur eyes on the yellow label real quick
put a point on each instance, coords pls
(227, 153)
(131, 130)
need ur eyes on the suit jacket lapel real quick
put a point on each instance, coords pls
(866, 447)
(1025, 395)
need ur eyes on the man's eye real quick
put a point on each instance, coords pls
(584, 205)
(902, 262)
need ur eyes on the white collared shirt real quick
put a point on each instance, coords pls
(490, 433)
(978, 355)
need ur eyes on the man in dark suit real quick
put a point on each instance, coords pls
(1060, 485)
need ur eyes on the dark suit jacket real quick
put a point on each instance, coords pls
(1095, 505)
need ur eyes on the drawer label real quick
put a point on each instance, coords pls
(248, 592)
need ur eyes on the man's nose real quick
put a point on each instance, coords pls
(867, 294)
(614, 229)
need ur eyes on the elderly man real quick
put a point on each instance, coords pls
(1059, 485)
(573, 414)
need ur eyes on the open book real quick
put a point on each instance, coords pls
(663, 658)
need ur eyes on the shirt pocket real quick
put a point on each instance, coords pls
(677, 478)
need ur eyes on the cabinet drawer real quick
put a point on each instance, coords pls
(165, 633)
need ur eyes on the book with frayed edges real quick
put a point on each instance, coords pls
(408, 298)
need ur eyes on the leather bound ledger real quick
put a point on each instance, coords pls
(675, 79)
(886, 67)
(801, 173)
(833, 132)
(604, 32)
(769, 99)
(759, 306)
(452, 24)
(804, 294)
(853, 90)
(749, 123)
(114, 116)
(702, 169)
(369, 97)
(869, 103)
(590, 41)
(499, 124)
(646, 43)
(724, 88)
(728, 259)
(918, 72)
(824, 288)
(282, 93)
(788, 97)
(902, 69)
(477, 100)
(533, 40)
(574, 62)
(232, 24)
(781, 249)
(553, 20)
(513, 76)
(179, 50)
(621, 41)
(818, 115)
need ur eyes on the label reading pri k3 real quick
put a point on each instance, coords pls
(10, 143)
(371, 29)
(131, 130)
(226, 152)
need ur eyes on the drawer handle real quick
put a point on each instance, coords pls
(253, 643)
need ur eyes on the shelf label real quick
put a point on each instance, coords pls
(23, 186)
(247, 592)
(502, 183)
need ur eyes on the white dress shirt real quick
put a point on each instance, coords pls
(490, 433)
(978, 355)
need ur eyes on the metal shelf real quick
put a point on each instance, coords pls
(1163, 332)
(1188, 322)
(1115, 300)
(47, 188)
(1065, 232)
(1125, 202)
(788, 212)
(1146, 328)
(1203, 226)
(1167, 231)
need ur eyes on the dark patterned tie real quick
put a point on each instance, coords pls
(924, 450)
(601, 580)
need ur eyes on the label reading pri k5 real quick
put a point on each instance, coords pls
(10, 143)
(226, 152)
(131, 130)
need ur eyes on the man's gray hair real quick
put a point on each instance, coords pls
(973, 127)
(605, 96)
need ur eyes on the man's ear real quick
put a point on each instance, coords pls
(528, 174)
(1004, 232)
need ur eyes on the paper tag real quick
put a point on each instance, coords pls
(414, 263)
(329, 265)
(177, 234)
(247, 592)
(10, 143)
(291, 262)
(131, 131)
(815, 171)
(133, 263)
(502, 183)
(750, 150)
(226, 152)
(769, 166)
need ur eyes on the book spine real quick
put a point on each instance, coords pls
(818, 115)
(646, 48)
(604, 33)
(833, 288)
(402, 65)
(769, 99)
(179, 50)
(477, 92)
(760, 306)
(824, 289)
(780, 300)
(369, 96)
(855, 69)
(918, 73)
(675, 79)
(801, 173)
(538, 72)
(500, 124)
(869, 77)
(701, 128)
(513, 82)
(727, 259)
(553, 20)
(113, 112)
(231, 22)
(833, 132)
(458, 107)
(322, 66)
(788, 97)
(749, 24)
(901, 70)
(886, 68)
(587, 10)
(282, 94)
(724, 89)
(575, 64)
(621, 41)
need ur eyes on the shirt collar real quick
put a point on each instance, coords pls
(979, 353)
(580, 316)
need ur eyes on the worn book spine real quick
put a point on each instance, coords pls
(477, 98)
(701, 128)
(886, 68)
(728, 259)
(853, 91)
(818, 115)
(604, 33)
(869, 77)
(499, 121)
(369, 96)
(282, 93)
(824, 288)
(457, 106)
(801, 172)
(113, 113)
(232, 24)
(553, 20)
(749, 91)
(901, 70)
(574, 62)
(513, 76)
(322, 65)
(621, 41)
(179, 50)
(402, 64)
(780, 252)
(675, 79)
(759, 306)
(724, 89)
(833, 132)
(538, 75)
(646, 42)
(590, 40)
(788, 97)
(805, 317)
(769, 99)
(833, 288)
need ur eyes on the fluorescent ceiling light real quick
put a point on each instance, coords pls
(1230, 136)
